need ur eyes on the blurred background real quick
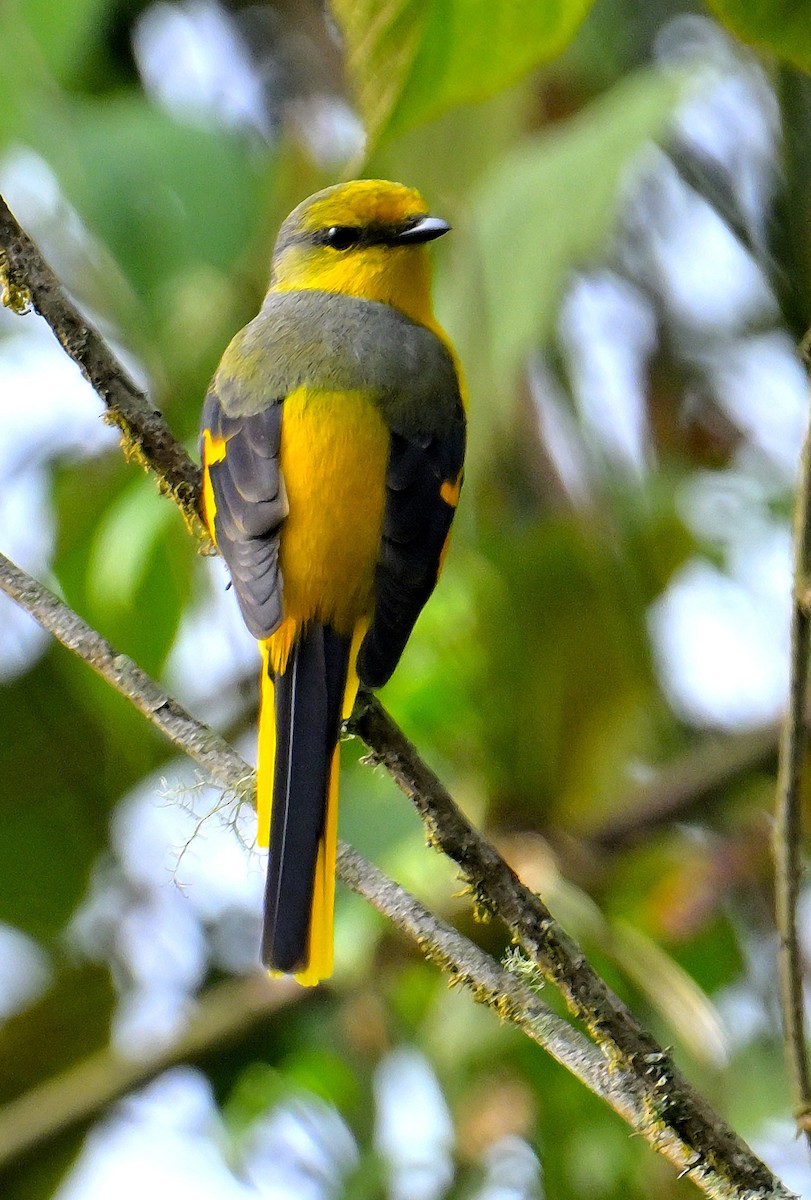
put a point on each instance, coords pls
(599, 676)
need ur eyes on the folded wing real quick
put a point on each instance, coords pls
(247, 507)
(422, 489)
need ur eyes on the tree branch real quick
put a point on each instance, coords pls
(676, 1120)
(47, 1109)
(788, 831)
(75, 1096)
(687, 784)
(496, 886)
(643, 1087)
(27, 280)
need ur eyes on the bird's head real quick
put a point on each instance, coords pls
(365, 238)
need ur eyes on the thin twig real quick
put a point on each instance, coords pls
(788, 828)
(229, 1010)
(687, 784)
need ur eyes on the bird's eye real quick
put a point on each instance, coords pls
(342, 237)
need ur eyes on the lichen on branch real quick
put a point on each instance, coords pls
(626, 1067)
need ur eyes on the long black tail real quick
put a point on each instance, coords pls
(308, 701)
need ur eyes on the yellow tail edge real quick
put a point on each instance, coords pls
(266, 752)
(322, 916)
(352, 681)
(323, 910)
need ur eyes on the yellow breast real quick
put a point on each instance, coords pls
(333, 457)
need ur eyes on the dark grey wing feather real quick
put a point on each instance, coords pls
(251, 506)
(416, 524)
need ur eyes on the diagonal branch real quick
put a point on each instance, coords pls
(708, 1150)
(69, 1100)
(688, 784)
(556, 954)
(725, 1168)
(788, 831)
(27, 280)
(47, 1109)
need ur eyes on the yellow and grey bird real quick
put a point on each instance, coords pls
(333, 438)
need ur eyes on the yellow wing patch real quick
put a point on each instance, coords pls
(213, 452)
(450, 490)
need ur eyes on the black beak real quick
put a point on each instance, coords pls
(424, 230)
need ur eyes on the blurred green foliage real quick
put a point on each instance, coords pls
(530, 682)
(779, 26)
(410, 60)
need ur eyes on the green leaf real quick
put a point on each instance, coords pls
(60, 1031)
(54, 798)
(410, 60)
(165, 198)
(128, 532)
(780, 26)
(66, 34)
(124, 560)
(548, 207)
(139, 574)
(23, 79)
(68, 1022)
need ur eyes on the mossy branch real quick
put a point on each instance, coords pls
(630, 1070)
(639, 1082)
(26, 281)
(490, 983)
(788, 827)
